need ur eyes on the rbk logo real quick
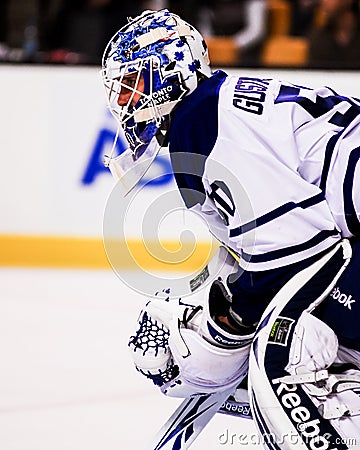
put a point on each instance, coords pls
(344, 299)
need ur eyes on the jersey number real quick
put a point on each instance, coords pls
(320, 106)
(224, 202)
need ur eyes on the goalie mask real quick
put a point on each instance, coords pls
(147, 68)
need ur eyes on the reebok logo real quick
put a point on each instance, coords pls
(344, 299)
(308, 427)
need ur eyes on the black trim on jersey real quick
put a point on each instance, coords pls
(351, 218)
(283, 252)
(276, 213)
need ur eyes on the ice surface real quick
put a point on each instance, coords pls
(66, 378)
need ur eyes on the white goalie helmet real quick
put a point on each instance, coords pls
(148, 66)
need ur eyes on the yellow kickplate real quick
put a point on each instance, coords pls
(90, 253)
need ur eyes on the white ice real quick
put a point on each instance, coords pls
(66, 378)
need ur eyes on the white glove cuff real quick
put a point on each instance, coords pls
(206, 367)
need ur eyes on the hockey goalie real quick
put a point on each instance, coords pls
(273, 168)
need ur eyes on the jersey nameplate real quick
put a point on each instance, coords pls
(249, 94)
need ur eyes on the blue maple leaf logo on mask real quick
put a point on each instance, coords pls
(179, 56)
(195, 65)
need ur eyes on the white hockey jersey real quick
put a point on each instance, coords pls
(272, 167)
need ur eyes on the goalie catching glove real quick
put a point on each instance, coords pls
(196, 347)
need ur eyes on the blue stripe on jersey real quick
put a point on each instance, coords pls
(281, 253)
(274, 214)
(351, 218)
(194, 130)
(327, 158)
